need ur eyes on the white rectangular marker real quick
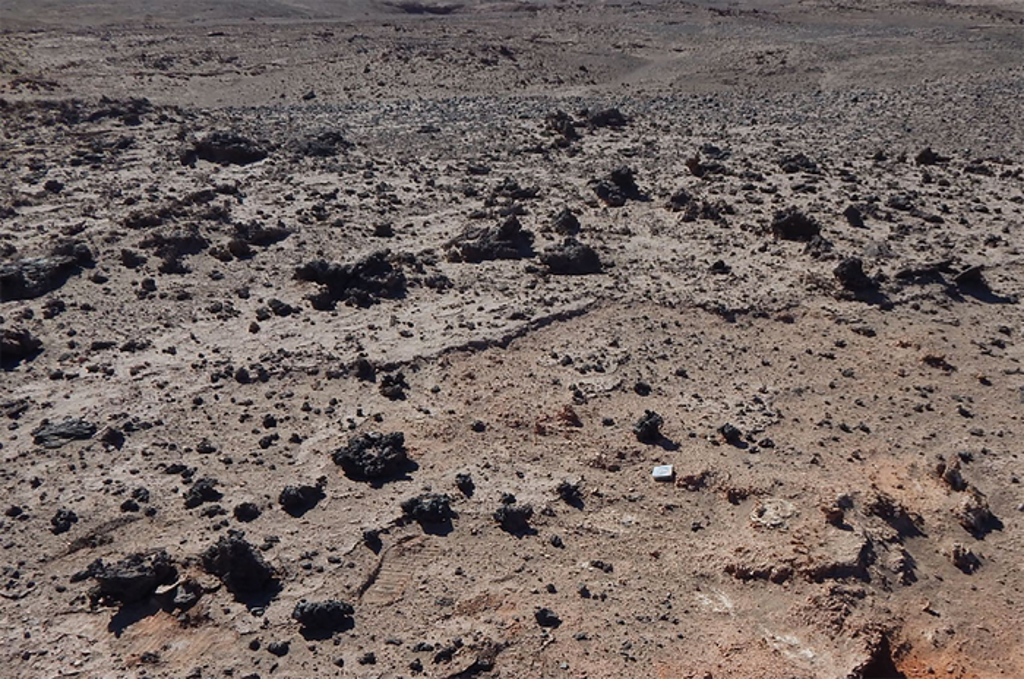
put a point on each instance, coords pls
(663, 473)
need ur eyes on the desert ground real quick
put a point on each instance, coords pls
(342, 339)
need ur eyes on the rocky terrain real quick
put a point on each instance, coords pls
(343, 339)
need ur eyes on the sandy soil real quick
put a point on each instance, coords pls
(553, 245)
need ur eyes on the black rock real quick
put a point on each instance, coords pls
(32, 277)
(514, 518)
(373, 456)
(62, 521)
(371, 538)
(608, 117)
(464, 482)
(17, 345)
(566, 223)
(187, 594)
(562, 123)
(571, 258)
(247, 511)
(323, 145)
(648, 428)
(362, 283)
(850, 274)
(731, 434)
(854, 216)
(171, 245)
(792, 224)
(901, 201)
(971, 277)
(929, 157)
(571, 493)
(510, 190)
(364, 370)
(257, 233)
(132, 259)
(203, 490)
(281, 309)
(133, 579)
(679, 200)
(393, 386)
(618, 187)
(428, 508)
(238, 565)
(212, 511)
(323, 616)
(297, 500)
(113, 437)
(225, 148)
(546, 618)
(278, 648)
(798, 163)
(56, 434)
(477, 244)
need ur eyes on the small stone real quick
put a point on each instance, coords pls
(547, 618)
(278, 648)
